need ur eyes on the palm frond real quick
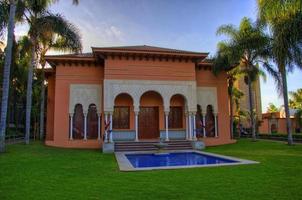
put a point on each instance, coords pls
(67, 34)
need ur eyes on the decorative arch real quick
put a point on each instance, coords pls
(152, 92)
(92, 122)
(85, 94)
(78, 122)
(136, 88)
(206, 95)
(199, 122)
(176, 117)
(123, 105)
(210, 121)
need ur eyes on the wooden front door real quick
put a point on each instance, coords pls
(148, 124)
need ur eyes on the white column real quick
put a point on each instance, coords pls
(106, 133)
(194, 127)
(190, 127)
(187, 125)
(99, 126)
(216, 127)
(204, 125)
(85, 126)
(71, 126)
(136, 126)
(167, 125)
(111, 139)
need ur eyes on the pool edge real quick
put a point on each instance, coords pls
(125, 165)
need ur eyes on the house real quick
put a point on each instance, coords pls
(135, 93)
(275, 122)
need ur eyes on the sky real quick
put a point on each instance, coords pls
(181, 24)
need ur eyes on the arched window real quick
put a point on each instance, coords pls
(274, 128)
(199, 122)
(210, 122)
(92, 122)
(78, 122)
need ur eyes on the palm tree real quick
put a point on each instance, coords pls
(43, 22)
(6, 71)
(284, 19)
(248, 45)
(295, 101)
(272, 108)
(222, 62)
(62, 37)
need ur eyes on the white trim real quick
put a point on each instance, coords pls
(71, 126)
(85, 94)
(136, 88)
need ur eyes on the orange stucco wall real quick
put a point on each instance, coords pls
(206, 78)
(149, 70)
(59, 84)
(50, 108)
(264, 128)
(66, 75)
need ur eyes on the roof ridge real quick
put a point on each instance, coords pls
(148, 48)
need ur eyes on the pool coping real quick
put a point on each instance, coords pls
(125, 165)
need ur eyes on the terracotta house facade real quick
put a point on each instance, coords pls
(135, 93)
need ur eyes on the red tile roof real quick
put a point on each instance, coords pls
(147, 48)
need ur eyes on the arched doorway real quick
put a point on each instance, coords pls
(123, 112)
(176, 114)
(150, 115)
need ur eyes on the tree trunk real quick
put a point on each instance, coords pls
(6, 73)
(285, 98)
(42, 105)
(251, 109)
(29, 91)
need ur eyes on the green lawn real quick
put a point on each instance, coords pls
(39, 172)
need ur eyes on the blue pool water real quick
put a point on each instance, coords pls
(174, 159)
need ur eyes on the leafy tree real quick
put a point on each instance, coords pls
(284, 19)
(42, 22)
(247, 47)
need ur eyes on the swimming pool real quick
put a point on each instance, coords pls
(133, 161)
(174, 159)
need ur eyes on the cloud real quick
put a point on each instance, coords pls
(112, 32)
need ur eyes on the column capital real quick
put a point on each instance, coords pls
(136, 107)
(136, 112)
(108, 112)
(192, 113)
(167, 113)
(71, 114)
(85, 114)
(99, 114)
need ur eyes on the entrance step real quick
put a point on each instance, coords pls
(149, 146)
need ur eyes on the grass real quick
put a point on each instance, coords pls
(39, 172)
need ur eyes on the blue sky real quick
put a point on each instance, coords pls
(182, 24)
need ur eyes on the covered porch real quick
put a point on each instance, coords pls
(155, 110)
